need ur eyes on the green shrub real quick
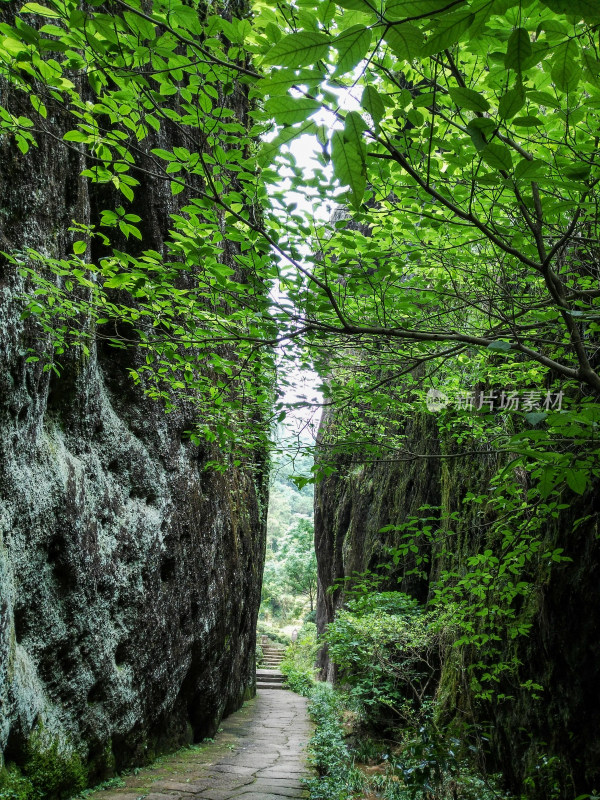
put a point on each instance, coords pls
(298, 665)
(298, 681)
(338, 778)
(387, 650)
(15, 786)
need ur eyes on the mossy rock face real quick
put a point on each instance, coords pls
(52, 772)
(547, 747)
(130, 575)
(46, 774)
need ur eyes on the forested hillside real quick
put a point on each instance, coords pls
(290, 574)
(202, 201)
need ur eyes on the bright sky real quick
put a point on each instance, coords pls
(303, 422)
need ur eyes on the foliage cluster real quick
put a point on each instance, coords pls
(290, 573)
(298, 665)
(388, 653)
(462, 137)
(264, 629)
(418, 764)
(488, 594)
(382, 644)
(338, 779)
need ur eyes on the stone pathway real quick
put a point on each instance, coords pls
(258, 754)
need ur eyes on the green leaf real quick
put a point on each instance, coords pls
(547, 481)
(279, 82)
(348, 167)
(527, 122)
(354, 128)
(43, 11)
(578, 172)
(518, 49)
(468, 99)
(449, 32)
(373, 104)
(497, 156)
(591, 66)
(401, 9)
(480, 128)
(577, 480)
(118, 281)
(185, 17)
(499, 345)
(566, 66)
(543, 99)
(584, 9)
(299, 49)
(534, 417)
(288, 110)
(406, 41)
(366, 6)
(527, 170)
(512, 102)
(165, 154)
(352, 46)
(75, 136)
(79, 247)
(38, 105)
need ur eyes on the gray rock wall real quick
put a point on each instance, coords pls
(129, 576)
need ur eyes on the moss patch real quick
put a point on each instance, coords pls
(15, 786)
(48, 773)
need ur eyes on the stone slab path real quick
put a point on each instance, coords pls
(258, 754)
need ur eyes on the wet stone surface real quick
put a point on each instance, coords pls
(259, 753)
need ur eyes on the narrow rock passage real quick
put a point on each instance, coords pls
(258, 754)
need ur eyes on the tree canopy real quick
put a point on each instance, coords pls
(463, 138)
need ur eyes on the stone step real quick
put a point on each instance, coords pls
(268, 673)
(269, 686)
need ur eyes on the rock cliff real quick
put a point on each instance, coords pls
(546, 747)
(129, 575)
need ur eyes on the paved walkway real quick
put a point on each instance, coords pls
(258, 754)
